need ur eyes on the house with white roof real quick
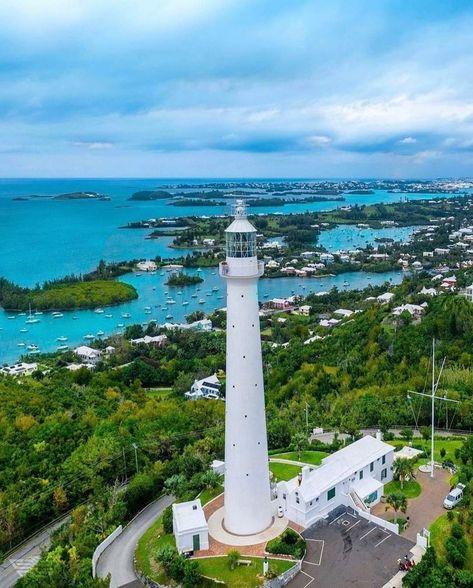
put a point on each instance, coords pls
(343, 312)
(157, 340)
(415, 310)
(469, 292)
(20, 368)
(385, 298)
(147, 266)
(354, 475)
(305, 309)
(428, 291)
(206, 388)
(88, 354)
(189, 526)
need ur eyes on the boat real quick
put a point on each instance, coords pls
(23, 330)
(138, 274)
(147, 311)
(62, 338)
(21, 344)
(22, 314)
(126, 315)
(38, 312)
(168, 316)
(75, 318)
(170, 301)
(220, 297)
(161, 274)
(154, 287)
(214, 273)
(198, 289)
(11, 318)
(62, 347)
(89, 337)
(100, 333)
(166, 293)
(120, 325)
(147, 307)
(215, 289)
(185, 303)
(99, 310)
(58, 315)
(32, 347)
(208, 293)
(31, 320)
(179, 293)
(108, 316)
(194, 296)
(201, 301)
(198, 269)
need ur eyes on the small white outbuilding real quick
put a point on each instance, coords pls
(189, 526)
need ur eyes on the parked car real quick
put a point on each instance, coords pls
(454, 496)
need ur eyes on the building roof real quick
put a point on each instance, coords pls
(241, 225)
(188, 516)
(342, 464)
(87, 351)
(366, 486)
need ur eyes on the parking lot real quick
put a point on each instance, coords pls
(347, 550)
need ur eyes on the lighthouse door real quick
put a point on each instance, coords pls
(196, 542)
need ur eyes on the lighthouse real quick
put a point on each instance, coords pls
(247, 501)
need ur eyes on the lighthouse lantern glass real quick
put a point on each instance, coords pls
(241, 244)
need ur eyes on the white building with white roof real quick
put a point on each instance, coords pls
(189, 526)
(206, 388)
(88, 354)
(355, 474)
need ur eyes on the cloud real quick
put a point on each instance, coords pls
(306, 88)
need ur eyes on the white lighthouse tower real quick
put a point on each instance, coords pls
(247, 489)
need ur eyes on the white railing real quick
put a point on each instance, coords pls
(103, 546)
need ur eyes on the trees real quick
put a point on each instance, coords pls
(233, 558)
(403, 470)
(407, 434)
(299, 442)
(398, 502)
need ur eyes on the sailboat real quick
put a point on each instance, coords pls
(31, 319)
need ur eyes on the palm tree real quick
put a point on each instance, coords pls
(396, 502)
(403, 470)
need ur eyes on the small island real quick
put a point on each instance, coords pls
(65, 295)
(181, 279)
(145, 195)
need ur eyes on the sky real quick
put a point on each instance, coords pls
(236, 88)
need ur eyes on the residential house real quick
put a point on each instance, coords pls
(88, 354)
(206, 388)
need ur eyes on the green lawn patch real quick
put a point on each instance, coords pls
(242, 576)
(411, 489)
(149, 544)
(284, 471)
(448, 444)
(309, 457)
(158, 392)
(210, 493)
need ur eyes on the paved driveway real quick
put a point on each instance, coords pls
(348, 551)
(117, 559)
(426, 508)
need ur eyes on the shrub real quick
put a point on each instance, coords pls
(289, 543)
(233, 558)
(450, 515)
(456, 552)
(388, 436)
(457, 531)
(443, 452)
(167, 520)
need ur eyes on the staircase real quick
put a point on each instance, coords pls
(358, 502)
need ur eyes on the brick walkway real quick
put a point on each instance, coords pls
(424, 509)
(216, 548)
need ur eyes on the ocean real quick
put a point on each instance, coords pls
(46, 239)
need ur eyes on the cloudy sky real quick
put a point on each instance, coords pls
(236, 88)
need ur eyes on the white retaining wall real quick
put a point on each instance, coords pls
(103, 546)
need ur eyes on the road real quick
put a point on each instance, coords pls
(117, 559)
(20, 561)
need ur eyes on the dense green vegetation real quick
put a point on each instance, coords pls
(181, 279)
(65, 296)
(289, 543)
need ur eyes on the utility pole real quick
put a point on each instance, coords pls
(135, 447)
(307, 418)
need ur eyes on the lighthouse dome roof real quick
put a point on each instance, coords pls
(241, 225)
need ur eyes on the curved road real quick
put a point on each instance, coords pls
(117, 559)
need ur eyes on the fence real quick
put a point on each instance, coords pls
(103, 546)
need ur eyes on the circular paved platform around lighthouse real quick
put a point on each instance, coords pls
(220, 534)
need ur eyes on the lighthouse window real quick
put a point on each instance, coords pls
(241, 244)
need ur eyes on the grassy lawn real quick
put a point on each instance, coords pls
(152, 540)
(309, 457)
(284, 471)
(448, 444)
(411, 489)
(158, 392)
(209, 493)
(243, 576)
(439, 532)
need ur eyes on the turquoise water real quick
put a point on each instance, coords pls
(351, 237)
(44, 239)
(154, 293)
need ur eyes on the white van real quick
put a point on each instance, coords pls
(454, 496)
